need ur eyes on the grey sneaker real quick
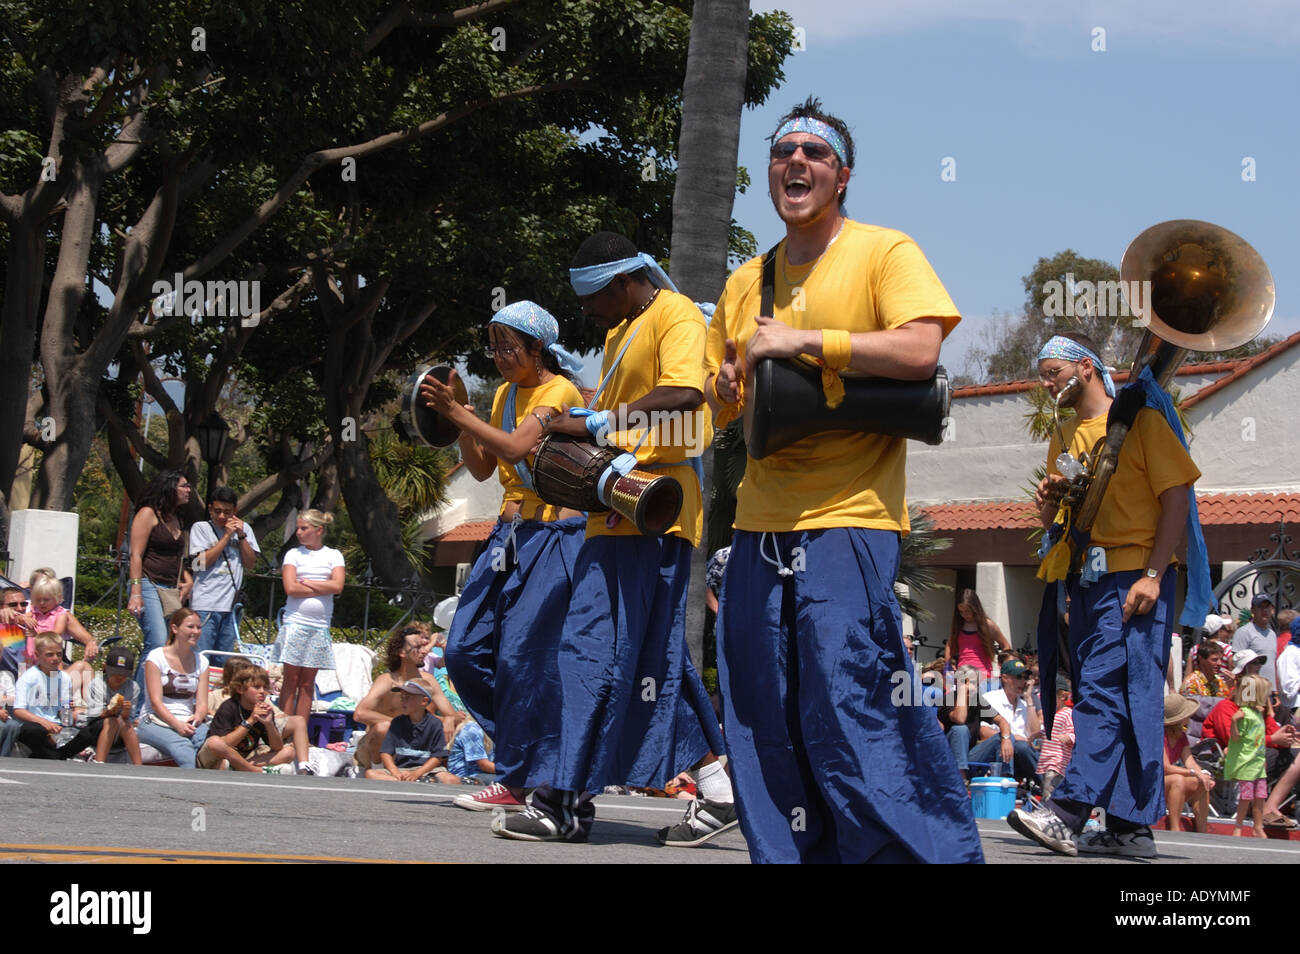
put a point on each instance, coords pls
(1100, 841)
(703, 820)
(1137, 844)
(1045, 827)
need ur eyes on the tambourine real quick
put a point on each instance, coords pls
(421, 422)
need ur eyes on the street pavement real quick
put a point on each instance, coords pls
(62, 812)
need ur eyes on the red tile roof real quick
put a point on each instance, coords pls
(1248, 508)
(995, 515)
(474, 530)
(1231, 371)
(1214, 510)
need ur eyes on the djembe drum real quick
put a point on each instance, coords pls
(577, 473)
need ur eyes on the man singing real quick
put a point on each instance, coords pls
(826, 767)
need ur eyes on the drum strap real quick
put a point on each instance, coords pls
(768, 294)
(610, 373)
(508, 425)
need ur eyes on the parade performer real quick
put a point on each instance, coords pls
(501, 648)
(1121, 600)
(827, 768)
(634, 709)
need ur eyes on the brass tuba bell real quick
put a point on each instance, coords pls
(1195, 286)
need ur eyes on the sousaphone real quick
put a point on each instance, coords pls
(1196, 287)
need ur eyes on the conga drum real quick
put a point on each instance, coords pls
(577, 473)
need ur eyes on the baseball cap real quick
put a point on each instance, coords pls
(119, 662)
(1014, 667)
(415, 687)
(1259, 599)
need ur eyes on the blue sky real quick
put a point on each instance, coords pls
(1056, 145)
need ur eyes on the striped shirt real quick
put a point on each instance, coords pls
(1056, 750)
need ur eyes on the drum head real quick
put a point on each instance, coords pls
(421, 422)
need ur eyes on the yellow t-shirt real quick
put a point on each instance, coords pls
(1151, 461)
(559, 390)
(869, 279)
(665, 353)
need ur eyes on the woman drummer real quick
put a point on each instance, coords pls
(501, 648)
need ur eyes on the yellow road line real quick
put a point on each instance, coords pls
(99, 853)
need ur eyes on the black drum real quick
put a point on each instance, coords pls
(421, 422)
(784, 403)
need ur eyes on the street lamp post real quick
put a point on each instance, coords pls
(212, 435)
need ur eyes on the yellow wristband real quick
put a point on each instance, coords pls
(837, 350)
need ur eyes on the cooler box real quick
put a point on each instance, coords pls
(992, 797)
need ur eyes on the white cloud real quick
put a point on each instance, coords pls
(1243, 25)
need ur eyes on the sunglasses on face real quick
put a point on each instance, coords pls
(814, 151)
(15, 605)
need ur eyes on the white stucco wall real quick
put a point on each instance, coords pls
(1244, 437)
(1243, 440)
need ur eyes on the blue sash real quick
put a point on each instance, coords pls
(508, 425)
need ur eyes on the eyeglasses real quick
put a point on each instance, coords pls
(16, 604)
(813, 151)
(1048, 376)
(500, 352)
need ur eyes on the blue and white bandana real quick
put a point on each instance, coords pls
(815, 127)
(1065, 349)
(535, 321)
(592, 278)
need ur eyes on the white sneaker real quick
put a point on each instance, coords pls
(1045, 827)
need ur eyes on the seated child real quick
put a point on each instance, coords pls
(38, 696)
(244, 734)
(1185, 781)
(9, 726)
(112, 699)
(1055, 756)
(414, 749)
(49, 616)
(469, 753)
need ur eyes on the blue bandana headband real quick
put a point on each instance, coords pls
(589, 280)
(1064, 349)
(535, 321)
(815, 127)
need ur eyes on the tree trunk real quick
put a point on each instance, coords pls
(713, 96)
(22, 300)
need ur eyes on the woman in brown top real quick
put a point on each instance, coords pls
(157, 550)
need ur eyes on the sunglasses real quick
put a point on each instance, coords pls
(812, 150)
(16, 604)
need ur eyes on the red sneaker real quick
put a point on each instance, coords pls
(495, 796)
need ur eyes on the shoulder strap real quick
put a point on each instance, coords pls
(229, 569)
(508, 425)
(610, 373)
(768, 294)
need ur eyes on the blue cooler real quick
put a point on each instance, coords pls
(992, 797)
